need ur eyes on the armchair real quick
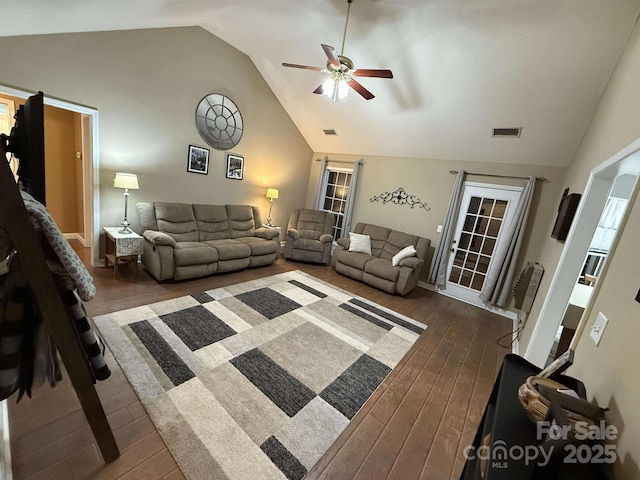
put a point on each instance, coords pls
(309, 236)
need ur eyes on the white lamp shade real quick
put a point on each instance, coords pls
(272, 193)
(126, 180)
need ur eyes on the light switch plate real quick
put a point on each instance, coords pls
(439, 229)
(598, 327)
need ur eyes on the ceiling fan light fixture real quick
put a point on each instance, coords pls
(335, 89)
(342, 72)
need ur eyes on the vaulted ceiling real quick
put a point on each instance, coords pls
(461, 67)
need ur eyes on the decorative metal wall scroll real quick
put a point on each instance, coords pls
(400, 197)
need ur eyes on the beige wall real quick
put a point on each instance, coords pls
(610, 371)
(146, 85)
(430, 180)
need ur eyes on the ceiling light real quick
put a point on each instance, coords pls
(335, 89)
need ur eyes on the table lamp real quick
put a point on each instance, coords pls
(271, 194)
(126, 181)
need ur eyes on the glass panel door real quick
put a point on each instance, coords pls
(477, 241)
(485, 211)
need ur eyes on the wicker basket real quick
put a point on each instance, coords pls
(537, 405)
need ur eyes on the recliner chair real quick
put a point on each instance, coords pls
(309, 236)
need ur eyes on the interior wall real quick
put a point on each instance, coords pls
(609, 371)
(60, 168)
(146, 85)
(431, 182)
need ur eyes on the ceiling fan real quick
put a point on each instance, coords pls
(342, 72)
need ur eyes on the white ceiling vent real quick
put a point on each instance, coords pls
(329, 131)
(506, 132)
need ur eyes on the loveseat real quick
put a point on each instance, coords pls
(376, 269)
(184, 241)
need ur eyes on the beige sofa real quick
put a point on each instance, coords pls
(376, 269)
(184, 241)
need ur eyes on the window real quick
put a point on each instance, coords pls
(335, 194)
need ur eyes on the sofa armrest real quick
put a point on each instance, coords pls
(344, 242)
(159, 238)
(412, 262)
(326, 238)
(268, 233)
(293, 233)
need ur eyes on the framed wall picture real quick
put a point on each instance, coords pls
(235, 166)
(198, 160)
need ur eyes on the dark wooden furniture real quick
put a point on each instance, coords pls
(508, 425)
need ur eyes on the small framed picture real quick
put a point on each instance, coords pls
(235, 166)
(198, 160)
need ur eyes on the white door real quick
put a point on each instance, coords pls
(486, 211)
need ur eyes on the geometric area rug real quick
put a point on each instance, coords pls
(256, 380)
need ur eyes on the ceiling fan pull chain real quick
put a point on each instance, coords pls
(344, 35)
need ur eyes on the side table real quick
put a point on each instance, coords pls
(121, 248)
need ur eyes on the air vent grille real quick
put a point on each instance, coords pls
(329, 131)
(506, 132)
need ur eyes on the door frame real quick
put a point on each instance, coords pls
(566, 274)
(90, 163)
(459, 222)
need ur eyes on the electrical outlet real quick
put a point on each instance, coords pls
(598, 327)
(439, 229)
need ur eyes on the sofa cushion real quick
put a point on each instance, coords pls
(353, 259)
(259, 246)
(359, 243)
(396, 242)
(177, 220)
(406, 252)
(212, 222)
(241, 221)
(194, 253)
(378, 236)
(308, 244)
(382, 268)
(229, 249)
(311, 223)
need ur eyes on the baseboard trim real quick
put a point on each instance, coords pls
(426, 286)
(75, 236)
(5, 452)
(503, 313)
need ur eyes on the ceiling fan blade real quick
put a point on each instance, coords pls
(368, 72)
(332, 55)
(320, 89)
(360, 89)
(306, 67)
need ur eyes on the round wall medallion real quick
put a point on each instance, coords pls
(219, 121)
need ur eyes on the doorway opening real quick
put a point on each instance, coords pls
(599, 248)
(576, 260)
(85, 157)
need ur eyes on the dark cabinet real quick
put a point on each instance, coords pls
(507, 444)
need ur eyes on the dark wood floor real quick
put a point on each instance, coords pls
(415, 425)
